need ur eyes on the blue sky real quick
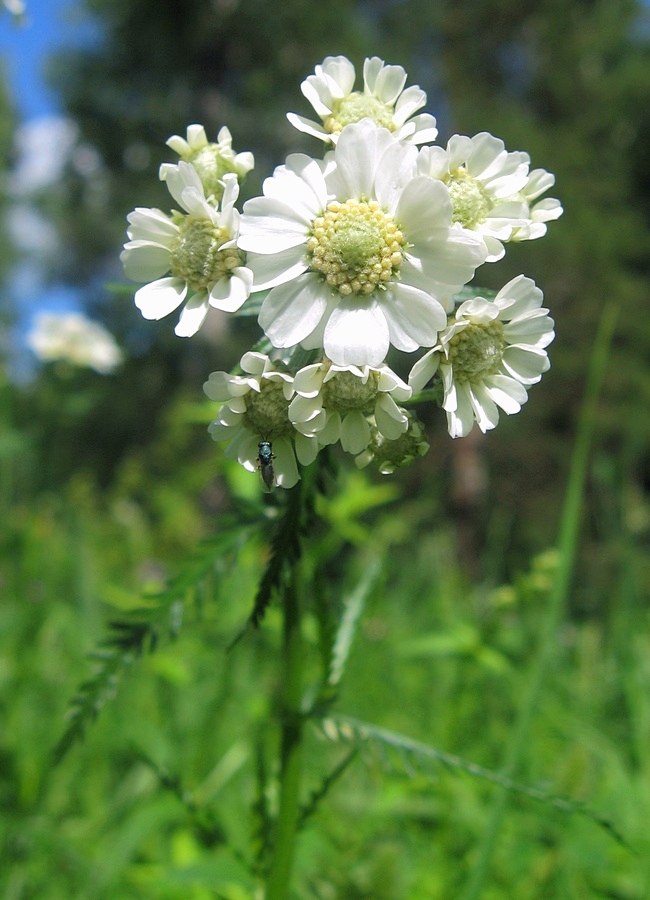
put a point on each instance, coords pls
(24, 46)
(42, 140)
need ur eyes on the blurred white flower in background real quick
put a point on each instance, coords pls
(75, 339)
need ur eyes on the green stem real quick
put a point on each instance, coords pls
(290, 744)
(567, 546)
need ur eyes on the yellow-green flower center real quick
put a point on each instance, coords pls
(267, 412)
(357, 106)
(355, 246)
(476, 351)
(196, 257)
(471, 203)
(346, 392)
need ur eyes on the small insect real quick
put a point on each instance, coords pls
(265, 462)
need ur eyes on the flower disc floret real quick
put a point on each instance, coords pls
(355, 107)
(267, 411)
(476, 351)
(196, 254)
(356, 246)
(469, 197)
(347, 391)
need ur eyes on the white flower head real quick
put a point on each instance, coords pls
(491, 188)
(76, 339)
(389, 455)
(383, 99)
(358, 251)
(255, 407)
(332, 403)
(212, 161)
(190, 256)
(488, 355)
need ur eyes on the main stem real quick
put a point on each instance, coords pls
(290, 745)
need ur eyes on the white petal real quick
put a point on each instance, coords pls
(424, 370)
(391, 420)
(507, 393)
(284, 464)
(305, 409)
(525, 294)
(485, 409)
(231, 292)
(414, 317)
(269, 271)
(526, 364)
(269, 226)
(535, 328)
(306, 448)
(355, 432)
(308, 380)
(487, 151)
(299, 185)
(357, 154)
(425, 129)
(356, 334)
(158, 299)
(144, 261)
(396, 169)
(193, 315)
(384, 82)
(180, 177)
(151, 225)
(216, 387)
(307, 127)
(460, 420)
(409, 102)
(292, 311)
(424, 206)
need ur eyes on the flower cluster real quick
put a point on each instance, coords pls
(355, 255)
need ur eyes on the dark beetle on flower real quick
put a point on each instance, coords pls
(265, 462)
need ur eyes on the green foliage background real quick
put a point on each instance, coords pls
(109, 485)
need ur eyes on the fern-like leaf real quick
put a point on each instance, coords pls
(140, 631)
(404, 755)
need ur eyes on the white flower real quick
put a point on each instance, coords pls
(384, 100)
(254, 409)
(191, 257)
(490, 188)
(358, 252)
(332, 403)
(74, 338)
(487, 357)
(211, 161)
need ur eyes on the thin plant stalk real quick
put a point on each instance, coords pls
(567, 547)
(291, 719)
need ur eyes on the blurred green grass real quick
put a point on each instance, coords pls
(157, 801)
